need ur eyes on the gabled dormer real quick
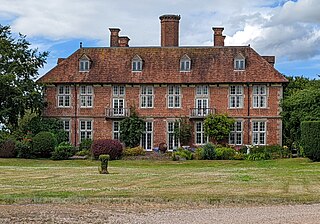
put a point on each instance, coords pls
(84, 63)
(239, 62)
(137, 63)
(185, 63)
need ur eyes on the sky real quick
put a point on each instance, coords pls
(290, 30)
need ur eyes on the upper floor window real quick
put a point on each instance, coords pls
(185, 63)
(118, 91)
(259, 96)
(64, 96)
(236, 97)
(136, 63)
(239, 63)
(174, 97)
(86, 96)
(202, 91)
(84, 63)
(259, 132)
(146, 97)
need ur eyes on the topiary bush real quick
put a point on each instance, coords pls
(24, 150)
(107, 146)
(7, 149)
(225, 153)
(63, 151)
(208, 151)
(43, 144)
(310, 139)
(104, 164)
(136, 151)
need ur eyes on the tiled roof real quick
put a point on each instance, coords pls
(162, 65)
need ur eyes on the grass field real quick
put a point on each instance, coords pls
(184, 182)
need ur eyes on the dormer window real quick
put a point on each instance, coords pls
(185, 64)
(239, 63)
(84, 64)
(136, 64)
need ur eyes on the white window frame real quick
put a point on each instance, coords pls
(116, 130)
(172, 143)
(146, 97)
(86, 96)
(236, 96)
(236, 134)
(199, 133)
(137, 64)
(85, 129)
(84, 65)
(147, 136)
(64, 96)
(174, 96)
(259, 132)
(118, 92)
(67, 127)
(185, 64)
(239, 64)
(202, 96)
(259, 96)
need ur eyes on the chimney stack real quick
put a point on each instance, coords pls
(114, 37)
(218, 39)
(124, 41)
(169, 30)
(270, 59)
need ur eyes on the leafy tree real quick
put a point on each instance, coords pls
(310, 139)
(218, 126)
(18, 70)
(131, 129)
(183, 130)
(300, 103)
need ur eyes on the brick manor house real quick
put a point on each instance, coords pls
(95, 87)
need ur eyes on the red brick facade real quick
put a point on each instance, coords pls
(258, 88)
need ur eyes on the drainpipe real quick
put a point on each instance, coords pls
(75, 113)
(248, 112)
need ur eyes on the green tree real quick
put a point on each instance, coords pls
(218, 126)
(18, 70)
(131, 129)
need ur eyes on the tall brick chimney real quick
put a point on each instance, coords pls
(218, 39)
(114, 37)
(169, 30)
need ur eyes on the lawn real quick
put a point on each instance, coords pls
(184, 182)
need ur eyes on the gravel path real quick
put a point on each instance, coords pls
(99, 213)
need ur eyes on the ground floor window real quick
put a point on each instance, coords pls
(116, 130)
(259, 132)
(236, 135)
(173, 142)
(67, 128)
(200, 137)
(147, 136)
(85, 129)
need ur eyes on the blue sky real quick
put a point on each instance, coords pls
(290, 30)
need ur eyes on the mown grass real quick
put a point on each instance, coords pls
(183, 182)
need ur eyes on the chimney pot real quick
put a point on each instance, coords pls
(218, 38)
(169, 30)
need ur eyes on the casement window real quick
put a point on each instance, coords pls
(67, 128)
(200, 137)
(259, 131)
(118, 101)
(260, 96)
(64, 96)
(174, 96)
(172, 141)
(116, 130)
(236, 135)
(84, 65)
(202, 100)
(147, 136)
(118, 91)
(185, 64)
(86, 129)
(136, 64)
(146, 97)
(235, 97)
(86, 96)
(239, 64)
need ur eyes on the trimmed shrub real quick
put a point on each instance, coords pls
(107, 146)
(310, 139)
(85, 144)
(182, 153)
(24, 150)
(208, 151)
(63, 151)
(136, 151)
(43, 144)
(7, 149)
(104, 164)
(225, 153)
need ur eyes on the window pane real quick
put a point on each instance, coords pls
(115, 90)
